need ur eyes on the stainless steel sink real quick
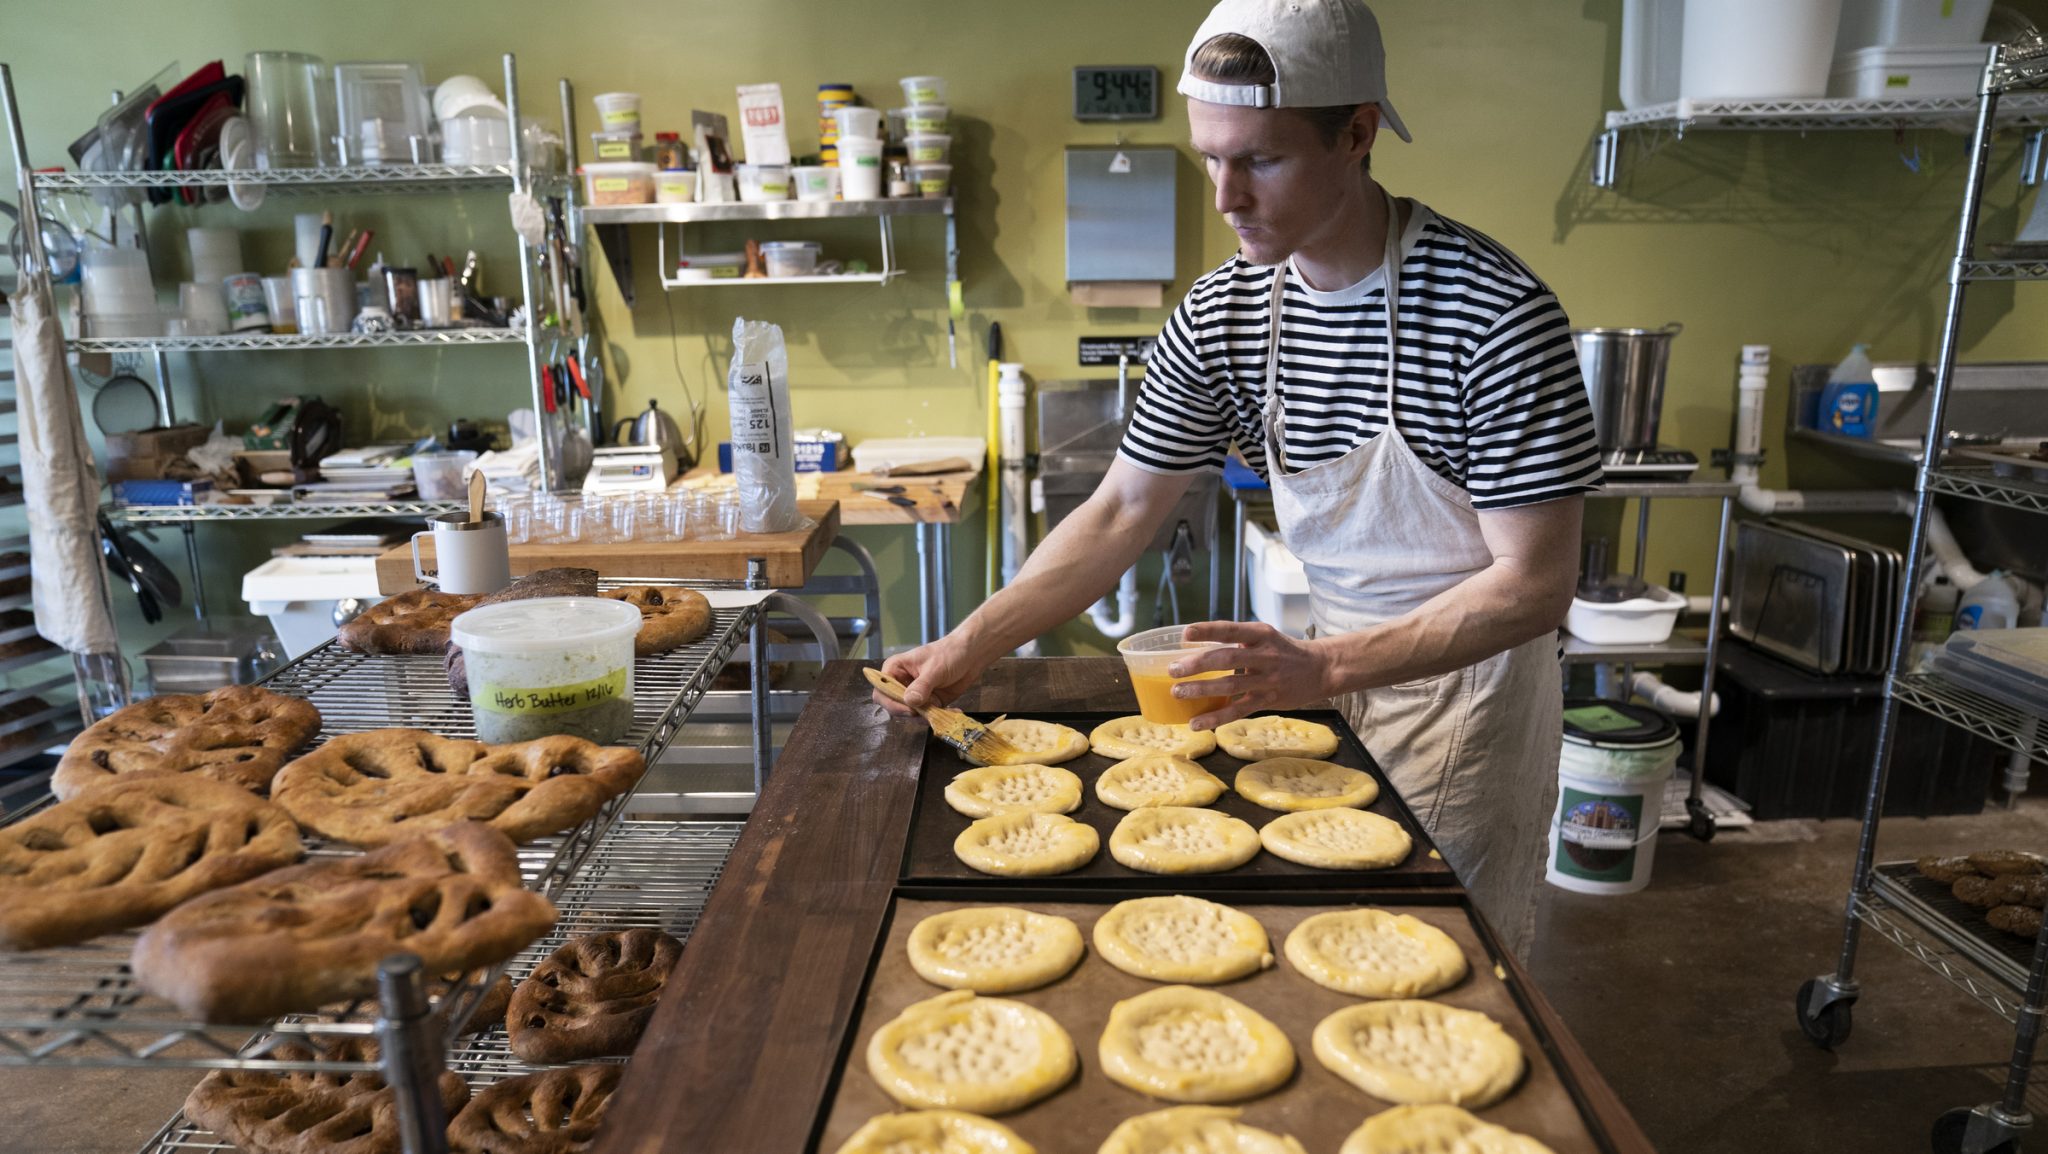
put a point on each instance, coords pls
(1080, 425)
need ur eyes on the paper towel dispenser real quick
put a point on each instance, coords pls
(1120, 214)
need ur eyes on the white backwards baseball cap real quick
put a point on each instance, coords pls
(1324, 52)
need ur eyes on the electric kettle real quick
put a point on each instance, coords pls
(652, 427)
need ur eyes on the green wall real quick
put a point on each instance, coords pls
(1804, 243)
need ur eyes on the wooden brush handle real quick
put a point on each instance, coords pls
(889, 686)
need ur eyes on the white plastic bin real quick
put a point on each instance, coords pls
(1277, 581)
(1912, 23)
(299, 594)
(1901, 71)
(1645, 620)
(1758, 49)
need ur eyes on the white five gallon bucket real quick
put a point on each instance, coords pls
(1610, 796)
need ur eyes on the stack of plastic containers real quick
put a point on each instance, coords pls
(860, 152)
(120, 299)
(927, 134)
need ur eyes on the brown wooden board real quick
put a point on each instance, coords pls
(1315, 1106)
(935, 825)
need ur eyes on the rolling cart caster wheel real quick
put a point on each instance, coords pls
(1700, 824)
(1952, 1136)
(1830, 1026)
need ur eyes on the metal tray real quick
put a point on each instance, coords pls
(1315, 1106)
(1791, 595)
(928, 856)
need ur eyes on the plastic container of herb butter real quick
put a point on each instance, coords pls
(550, 665)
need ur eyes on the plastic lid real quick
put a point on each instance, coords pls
(1614, 724)
(618, 168)
(1756, 354)
(545, 625)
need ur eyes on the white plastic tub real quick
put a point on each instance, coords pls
(924, 89)
(787, 258)
(299, 594)
(763, 182)
(1645, 620)
(932, 149)
(1758, 49)
(1912, 24)
(1277, 581)
(1901, 71)
(619, 182)
(932, 181)
(550, 665)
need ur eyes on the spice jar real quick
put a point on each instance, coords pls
(669, 153)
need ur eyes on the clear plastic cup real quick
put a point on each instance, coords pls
(924, 89)
(1147, 656)
(718, 518)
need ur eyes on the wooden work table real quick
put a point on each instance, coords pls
(741, 1052)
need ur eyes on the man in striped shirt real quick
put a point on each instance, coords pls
(1410, 390)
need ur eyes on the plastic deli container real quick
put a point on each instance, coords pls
(865, 123)
(790, 257)
(924, 90)
(932, 180)
(860, 168)
(440, 476)
(814, 182)
(935, 148)
(619, 182)
(675, 187)
(763, 182)
(926, 120)
(619, 111)
(615, 145)
(1147, 657)
(550, 665)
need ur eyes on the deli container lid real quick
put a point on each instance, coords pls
(545, 625)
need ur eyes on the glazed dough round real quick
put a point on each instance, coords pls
(998, 789)
(1375, 954)
(1259, 738)
(1026, 845)
(1039, 742)
(1135, 737)
(1195, 1130)
(1436, 1130)
(1188, 1045)
(1292, 784)
(1182, 939)
(1178, 839)
(1336, 839)
(1157, 779)
(993, 949)
(1416, 1052)
(962, 1052)
(935, 1132)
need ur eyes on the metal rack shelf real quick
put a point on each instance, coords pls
(2011, 727)
(285, 511)
(1922, 917)
(249, 342)
(654, 874)
(296, 181)
(742, 282)
(1685, 647)
(774, 210)
(79, 1005)
(1985, 485)
(2007, 270)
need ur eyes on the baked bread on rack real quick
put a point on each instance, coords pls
(592, 998)
(304, 1112)
(414, 622)
(374, 788)
(239, 734)
(122, 853)
(309, 935)
(670, 616)
(550, 1112)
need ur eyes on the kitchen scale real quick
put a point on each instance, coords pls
(1662, 463)
(630, 469)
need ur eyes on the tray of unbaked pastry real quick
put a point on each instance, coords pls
(1289, 800)
(1374, 1025)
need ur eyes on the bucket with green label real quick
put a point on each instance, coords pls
(1611, 775)
(551, 665)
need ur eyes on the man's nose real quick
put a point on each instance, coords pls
(1231, 193)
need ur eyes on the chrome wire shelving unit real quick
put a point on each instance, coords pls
(2006, 973)
(283, 510)
(248, 342)
(373, 178)
(656, 874)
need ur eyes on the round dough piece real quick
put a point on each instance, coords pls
(959, 1051)
(993, 949)
(1188, 1045)
(1136, 737)
(1336, 839)
(1178, 839)
(996, 789)
(1027, 845)
(1436, 1130)
(935, 1132)
(1157, 779)
(1293, 784)
(1416, 1053)
(1375, 954)
(1259, 738)
(1195, 1130)
(670, 617)
(1182, 939)
(1038, 742)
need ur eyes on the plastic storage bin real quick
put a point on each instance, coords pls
(1901, 71)
(1913, 23)
(1758, 49)
(299, 595)
(1645, 620)
(619, 182)
(787, 258)
(1276, 580)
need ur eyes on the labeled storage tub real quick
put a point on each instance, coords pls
(550, 665)
(1904, 71)
(1611, 774)
(619, 182)
(1913, 23)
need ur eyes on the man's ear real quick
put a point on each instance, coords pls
(1363, 130)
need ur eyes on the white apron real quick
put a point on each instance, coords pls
(1473, 752)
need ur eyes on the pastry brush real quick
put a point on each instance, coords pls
(974, 740)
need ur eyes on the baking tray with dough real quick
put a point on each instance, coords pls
(1315, 1106)
(929, 856)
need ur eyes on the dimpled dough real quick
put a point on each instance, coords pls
(1290, 784)
(935, 1132)
(1172, 839)
(1014, 789)
(1182, 939)
(1188, 1045)
(1375, 954)
(1336, 839)
(1416, 1053)
(1026, 844)
(962, 1052)
(1136, 737)
(1039, 742)
(1258, 738)
(1195, 1130)
(1436, 1130)
(1157, 779)
(993, 949)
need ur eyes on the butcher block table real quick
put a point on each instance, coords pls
(761, 1011)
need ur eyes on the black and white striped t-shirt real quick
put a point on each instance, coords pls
(1489, 396)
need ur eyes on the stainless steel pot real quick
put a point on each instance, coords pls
(1624, 371)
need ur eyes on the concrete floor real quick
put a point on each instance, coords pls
(1681, 994)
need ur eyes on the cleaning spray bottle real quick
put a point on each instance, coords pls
(1848, 405)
